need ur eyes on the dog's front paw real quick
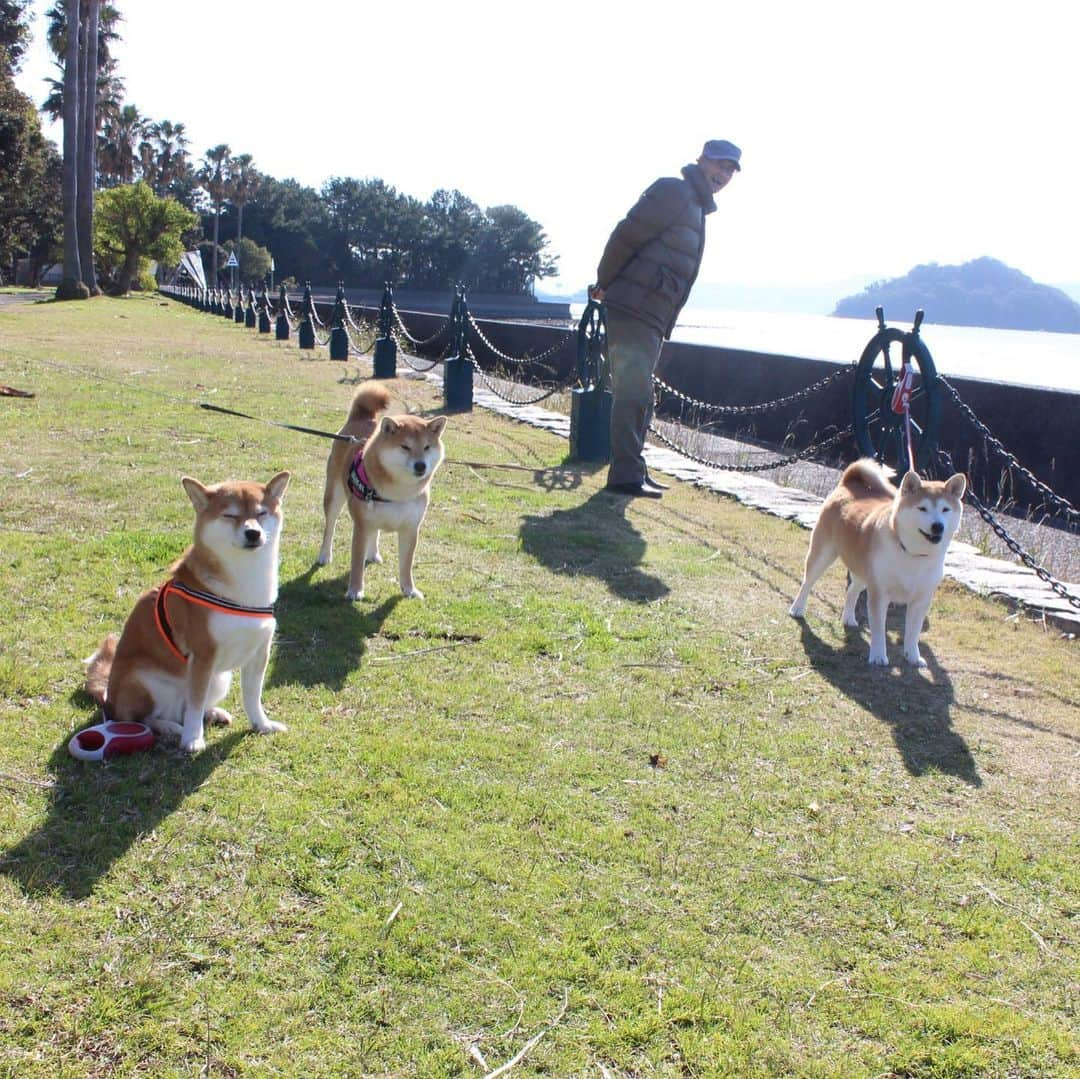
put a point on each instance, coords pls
(322, 560)
(915, 660)
(269, 726)
(196, 745)
(412, 593)
(374, 559)
(354, 593)
(218, 716)
(878, 659)
(797, 610)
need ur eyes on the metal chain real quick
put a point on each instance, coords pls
(409, 337)
(570, 335)
(1066, 509)
(430, 366)
(533, 400)
(984, 512)
(769, 465)
(765, 406)
(355, 348)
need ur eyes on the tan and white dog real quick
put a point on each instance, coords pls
(182, 641)
(385, 477)
(893, 542)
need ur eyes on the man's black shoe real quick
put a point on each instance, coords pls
(650, 482)
(634, 490)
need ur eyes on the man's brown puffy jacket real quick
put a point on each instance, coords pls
(652, 258)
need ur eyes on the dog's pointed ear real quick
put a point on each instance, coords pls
(197, 492)
(389, 425)
(276, 487)
(956, 485)
(910, 484)
(436, 425)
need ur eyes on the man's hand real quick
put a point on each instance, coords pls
(596, 293)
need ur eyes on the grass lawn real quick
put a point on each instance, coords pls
(597, 806)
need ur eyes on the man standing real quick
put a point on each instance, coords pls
(644, 278)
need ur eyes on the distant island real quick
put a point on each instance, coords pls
(983, 292)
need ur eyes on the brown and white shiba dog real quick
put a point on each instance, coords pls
(893, 542)
(385, 476)
(183, 639)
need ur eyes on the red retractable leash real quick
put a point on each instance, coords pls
(109, 739)
(901, 405)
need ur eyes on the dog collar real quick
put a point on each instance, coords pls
(908, 553)
(359, 483)
(203, 599)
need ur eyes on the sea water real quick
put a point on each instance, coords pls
(1022, 357)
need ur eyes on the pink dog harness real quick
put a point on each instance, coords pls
(359, 483)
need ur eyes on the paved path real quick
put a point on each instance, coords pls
(7, 298)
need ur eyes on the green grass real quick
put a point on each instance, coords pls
(596, 788)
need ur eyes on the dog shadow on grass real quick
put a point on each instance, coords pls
(914, 706)
(321, 636)
(97, 812)
(594, 539)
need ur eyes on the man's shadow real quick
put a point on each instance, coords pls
(96, 812)
(914, 707)
(322, 636)
(594, 539)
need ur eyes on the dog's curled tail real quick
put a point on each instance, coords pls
(98, 667)
(868, 477)
(370, 399)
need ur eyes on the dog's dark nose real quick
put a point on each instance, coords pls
(252, 535)
(419, 467)
(937, 528)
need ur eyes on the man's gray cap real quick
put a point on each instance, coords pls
(722, 150)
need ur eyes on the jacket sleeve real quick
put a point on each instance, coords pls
(648, 217)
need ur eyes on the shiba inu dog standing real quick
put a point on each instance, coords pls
(385, 477)
(893, 542)
(182, 641)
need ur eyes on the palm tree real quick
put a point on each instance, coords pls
(71, 284)
(88, 136)
(170, 143)
(245, 183)
(110, 85)
(121, 136)
(214, 179)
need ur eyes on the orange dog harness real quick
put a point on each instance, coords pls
(203, 599)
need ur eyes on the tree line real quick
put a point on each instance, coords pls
(119, 165)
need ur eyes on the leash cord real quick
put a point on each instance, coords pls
(275, 423)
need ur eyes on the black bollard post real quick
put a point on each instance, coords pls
(306, 333)
(264, 311)
(281, 326)
(385, 345)
(238, 312)
(249, 314)
(339, 336)
(226, 304)
(458, 368)
(590, 403)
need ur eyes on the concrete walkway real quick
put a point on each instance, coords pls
(988, 576)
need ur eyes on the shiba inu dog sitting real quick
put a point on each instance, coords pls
(182, 641)
(893, 542)
(385, 477)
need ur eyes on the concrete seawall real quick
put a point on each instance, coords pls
(1036, 425)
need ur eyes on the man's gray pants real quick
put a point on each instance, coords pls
(633, 350)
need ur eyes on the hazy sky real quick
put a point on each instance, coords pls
(875, 136)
